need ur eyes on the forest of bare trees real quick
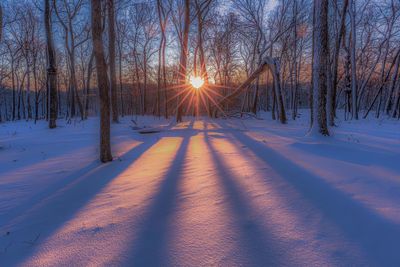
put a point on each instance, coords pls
(66, 59)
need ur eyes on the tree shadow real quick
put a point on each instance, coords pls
(349, 152)
(58, 149)
(150, 247)
(376, 236)
(53, 211)
(259, 247)
(48, 192)
(40, 158)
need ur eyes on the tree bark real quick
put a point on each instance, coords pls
(51, 69)
(111, 55)
(88, 79)
(320, 60)
(161, 55)
(203, 68)
(183, 59)
(354, 110)
(102, 82)
(332, 100)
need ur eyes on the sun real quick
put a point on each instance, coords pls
(196, 82)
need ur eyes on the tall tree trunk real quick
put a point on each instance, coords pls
(36, 91)
(89, 78)
(51, 69)
(354, 110)
(120, 83)
(183, 59)
(102, 82)
(138, 86)
(161, 18)
(278, 92)
(13, 88)
(311, 91)
(111, 55)
(164, 71)
(28, 89)
(144, 81)
(332, 100)
(320, 60)
(19, 102)
(203, 68)
(294, 68)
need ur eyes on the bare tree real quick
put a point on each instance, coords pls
(338, 41)
(320, 59)
(74, 35)
(102, 81)
(183, 58)
(202, 10)
(111, 55)
(352, 11)
(161, 74)
(225, 47)
(51, 69)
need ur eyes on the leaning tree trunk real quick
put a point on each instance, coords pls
(320, 59)
(384, 80)
(396, 102)
(111, 55)
(102, 82)
(393, 82)
(51, 69)
(267, 64)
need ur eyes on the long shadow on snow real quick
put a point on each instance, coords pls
(349, 152)
(260, 247)
(43, 158)
(150, 248)
(52, 190)
(81, 190)
(379, 238)
(48, 192)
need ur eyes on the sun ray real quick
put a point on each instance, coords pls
(182, 100)
(204, 103)
(215, 103)
(208, 89)
(190, 101)
(178, 94)
(177, 86)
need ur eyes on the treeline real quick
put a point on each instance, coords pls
(152, 47)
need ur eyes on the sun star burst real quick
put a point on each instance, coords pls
(196, 82)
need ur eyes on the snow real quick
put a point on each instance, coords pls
(201, 193)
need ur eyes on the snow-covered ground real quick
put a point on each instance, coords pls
(201, 193)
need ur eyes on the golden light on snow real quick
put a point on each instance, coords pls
(196, 82)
